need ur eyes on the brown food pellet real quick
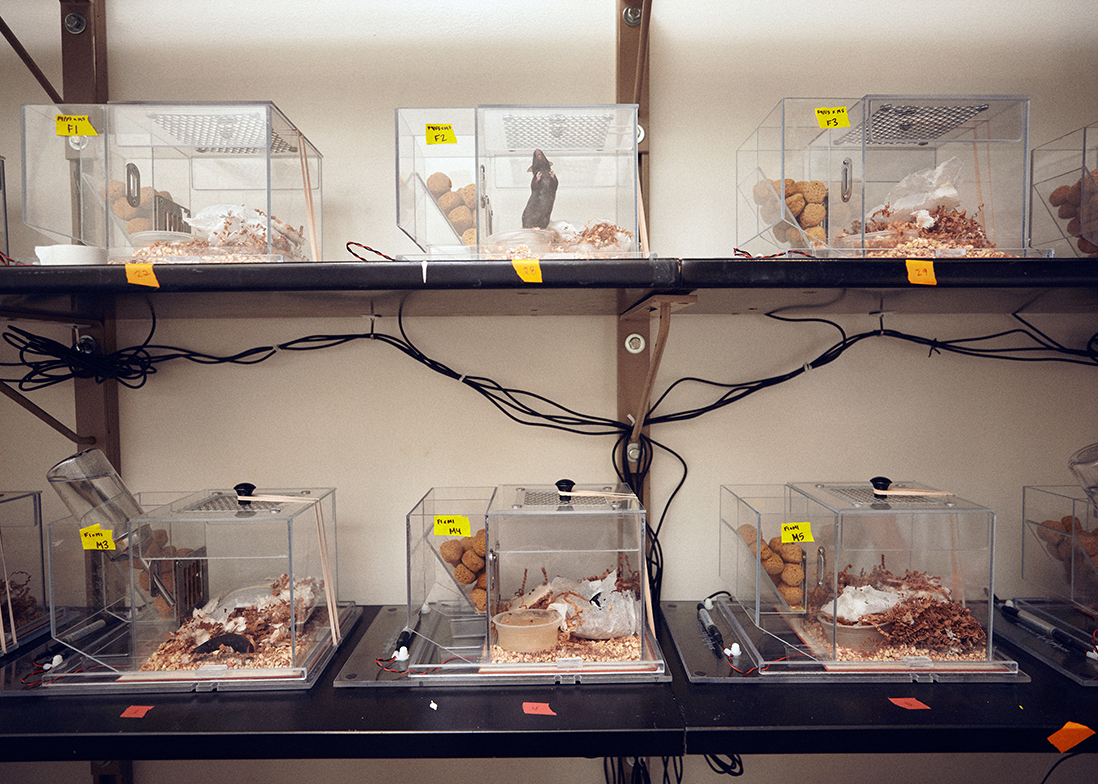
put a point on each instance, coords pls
(812, 215)
(438, 183)
(473, 562)
(795, 203)
(747, 532)
(1067, 210)
(814, 191)
(792, 574)
(773, 565)
(461, 218)
(449, 200)
(792, 594)
(480, 543)
(817, 233)
(762, 193)
(463, 575)
(791, 552)
(469, 196)
(1059, 196)
(480, 599)
(451, 551)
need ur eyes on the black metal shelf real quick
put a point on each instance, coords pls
(567, 287)
(647, 719)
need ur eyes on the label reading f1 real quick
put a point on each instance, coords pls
(832, 117)
(440, 134)
(452, 525)
(95, 538)
(74, 125)
(797, 532)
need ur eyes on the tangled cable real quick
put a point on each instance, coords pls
(48, 362)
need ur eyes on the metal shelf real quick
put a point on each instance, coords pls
(568, 287)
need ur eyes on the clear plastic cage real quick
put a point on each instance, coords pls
(208, 590)
(842, 580)
(172, 182)
(1055, 619)
(886, 175)
(1060, 545)
(1064, 201)
(534, 584)
(23, 610)
(512, 182)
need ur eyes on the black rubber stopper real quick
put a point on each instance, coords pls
(880, 483)
(244, 489)
(565, 486)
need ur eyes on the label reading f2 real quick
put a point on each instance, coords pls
(440, 134)
(95, 538)
(797, 532)
(832, 117)
(452, 525)
(74, 125)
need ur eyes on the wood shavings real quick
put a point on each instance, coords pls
(925, 622)
(617, 649)
(267, 627)
(952, 231)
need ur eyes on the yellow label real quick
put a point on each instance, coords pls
(95, 538)
(141, 275)
(440, 134)
(832, 117)
(797, 532)
(528, 269)
(452, 525)
(921, 272)
(74, 125)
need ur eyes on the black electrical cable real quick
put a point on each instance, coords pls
(1057, 764)
(676, 764)
(733, 767)
(50, 362)
(1054, 352)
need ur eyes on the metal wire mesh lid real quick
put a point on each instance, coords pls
(230, 502)
(890, 124)
(861, 495)
(244, 133)
(586, 498)
(572, 131)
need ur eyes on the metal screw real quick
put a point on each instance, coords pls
(635, 343)
(632, 15)
(76, 24)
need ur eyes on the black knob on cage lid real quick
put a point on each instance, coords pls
(243, 490)
(880, 483)
(564, 486)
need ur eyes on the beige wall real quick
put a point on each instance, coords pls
(383, 430)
